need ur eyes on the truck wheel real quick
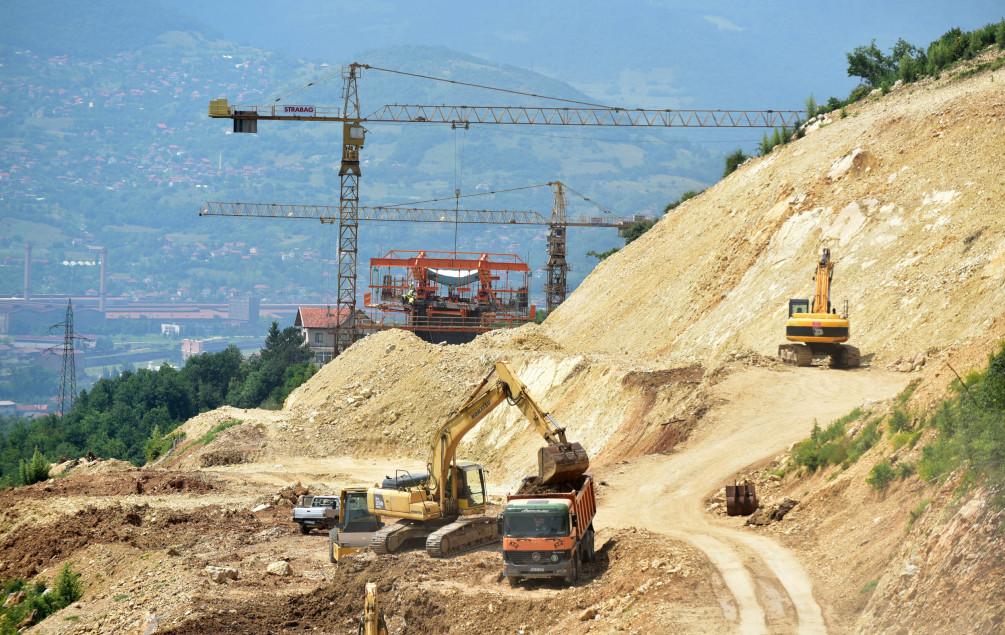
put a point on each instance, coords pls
(304, 529)
(589, 551)
(514, 582)
(572, 578)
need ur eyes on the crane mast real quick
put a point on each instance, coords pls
(353, 135)
(558, 268)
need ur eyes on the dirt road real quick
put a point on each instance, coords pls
(761, 413)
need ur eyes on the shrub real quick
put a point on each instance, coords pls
(764, 147)
(34, 470)
(831, 446)
(38, 604)
(905, 470)
(1000, 35)
(880, 476)
(970, 435)
(867, 438)
(68, 587)
(899, 421)
(918, 510)
(860, 91)
(603, 255)
(210, 436)
(733, 161)
(159, 444)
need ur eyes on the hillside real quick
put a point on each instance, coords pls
(906, 191)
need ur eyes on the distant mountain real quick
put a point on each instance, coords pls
(111, 145)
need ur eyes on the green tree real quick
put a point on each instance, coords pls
(35, 470)
(603, 255)
(870, 64)
(776, 138)
(1000, 35)
(764, 147)
(811, 107)
(635, 230)
(68, 588)
(733, 161)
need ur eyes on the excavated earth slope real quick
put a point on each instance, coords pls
(907, 191)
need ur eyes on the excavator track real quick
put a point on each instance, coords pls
(462, 535)
(390, 538)
(846, 357)
(795, 354)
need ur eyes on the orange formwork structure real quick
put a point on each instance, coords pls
(448, 296)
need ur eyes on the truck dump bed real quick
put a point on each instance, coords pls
(579, 492)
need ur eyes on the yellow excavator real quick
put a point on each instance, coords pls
(818, 330)
(446, 505)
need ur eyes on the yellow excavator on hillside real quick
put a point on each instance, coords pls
(446, 505)
(818, 330)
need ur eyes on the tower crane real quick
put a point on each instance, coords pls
(580, 113)
(556, 287)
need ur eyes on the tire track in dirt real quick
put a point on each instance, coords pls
(760, 413)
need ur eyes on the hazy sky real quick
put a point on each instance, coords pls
(652, 53)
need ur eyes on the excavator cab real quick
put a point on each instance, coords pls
(798, 305)
(470, 488)
(356, 525)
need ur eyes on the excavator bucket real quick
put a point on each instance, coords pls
(741, 500)
(560, 463)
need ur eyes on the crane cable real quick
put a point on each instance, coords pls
(588, 200)
(451, 198)
(487, 87)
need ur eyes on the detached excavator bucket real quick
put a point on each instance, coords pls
(561, 463)
(741, 500)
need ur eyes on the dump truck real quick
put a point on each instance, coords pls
(446, 505)
(548, 530)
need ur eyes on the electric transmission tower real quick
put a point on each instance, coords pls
(68, 376)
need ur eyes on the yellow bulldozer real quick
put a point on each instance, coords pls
(818, 330)
(446, 505)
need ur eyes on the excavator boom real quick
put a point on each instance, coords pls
(559, 461)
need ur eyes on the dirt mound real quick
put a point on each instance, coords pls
(118, 483)
(29, 549)
(636, 580)
(906, 191)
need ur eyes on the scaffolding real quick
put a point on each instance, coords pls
(448, 296)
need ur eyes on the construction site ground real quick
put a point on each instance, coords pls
(661, 365)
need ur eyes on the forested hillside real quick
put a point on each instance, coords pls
(123, 154)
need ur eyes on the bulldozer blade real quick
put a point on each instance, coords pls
(559, 463)
(741, 500)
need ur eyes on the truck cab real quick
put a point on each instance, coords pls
(548, 535)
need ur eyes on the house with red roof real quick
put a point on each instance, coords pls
(317, 323)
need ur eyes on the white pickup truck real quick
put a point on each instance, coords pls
(316, 512)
